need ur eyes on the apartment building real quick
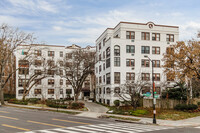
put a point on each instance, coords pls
(121, 55)
(53, 86)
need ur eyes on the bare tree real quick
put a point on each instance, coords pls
(34, 68)
(77, 66)
(131, 91)
(10, 38)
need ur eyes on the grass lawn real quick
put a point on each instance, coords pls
(163, 114)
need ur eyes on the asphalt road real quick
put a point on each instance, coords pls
(13, 120)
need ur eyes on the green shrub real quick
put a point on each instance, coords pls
(15, 101)
(117, 103)
(185, 107)
(33, 100)
(198, 103)
(77, 105)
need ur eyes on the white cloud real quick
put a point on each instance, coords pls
(189, 30)
(33, 6)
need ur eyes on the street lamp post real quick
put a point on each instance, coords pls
(153, 88)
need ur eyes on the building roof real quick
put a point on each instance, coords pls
(136, 24)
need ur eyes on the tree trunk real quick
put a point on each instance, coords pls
(2, 96)
(76, 97)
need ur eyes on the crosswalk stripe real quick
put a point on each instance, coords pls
(103, 130)
(46, 131)
(197, 127)
(78, 129)
(114, 129)
(108, 128)
(65, 130)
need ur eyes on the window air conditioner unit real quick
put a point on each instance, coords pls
(132, 40)
(133, 68)
(132, 54)
(168, 42)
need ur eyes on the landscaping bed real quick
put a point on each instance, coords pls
(65, 104)
(164, 114)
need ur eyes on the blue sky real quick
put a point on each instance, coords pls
(64, 22)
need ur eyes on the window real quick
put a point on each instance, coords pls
(117, 50)
(99, 57)
(99, 90)
(107, 63)
(68, 55)
(104, 41)
(100, 80)
(145, 63)
(104, 55)
(50, 72)
(130, 35)
(117, 90)
(130, 76)
(145, 89)
(61, 81)
(38, 72)
(61, 53)
(145, 50)
(116, 61)
(100, 68)
(146, 76)
(50, 81)
(23, 63)
(104, 66)
(50, 91)
(170, 38)
(156, 76)
(50, 63)
(156, 36)
(21, 91)
(156, 63)
(104, 78)
(145, 36)
(61, 91)
(50, 53)
(61, 72)
(117, 77)
(38, 81)
(37, 91)
(169, 50)
(24, 71)
(21, 82)
(68, 91)
(99, 46)
(108, 90)
(130, 49)
(61, 63)
(68, 83)
(38, 62)
(155, 50)
(108, 78)
(38, 52)
(130, 62)
(108, 52)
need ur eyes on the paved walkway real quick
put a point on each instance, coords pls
(94, 110)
